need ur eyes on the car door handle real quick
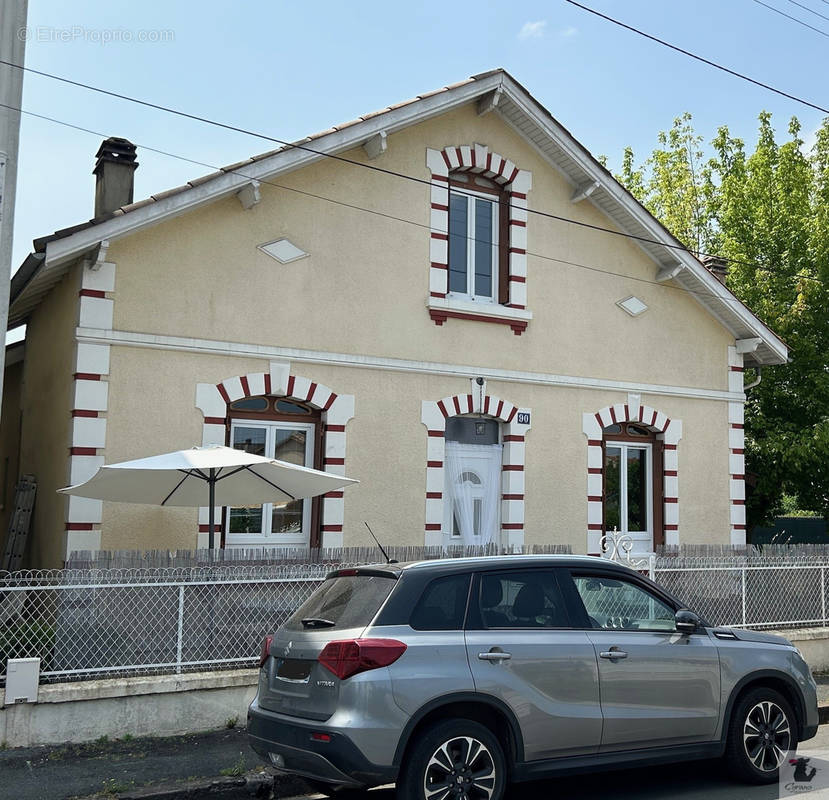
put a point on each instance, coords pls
(613, 654)
(495, 655)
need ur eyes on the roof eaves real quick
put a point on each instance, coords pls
(528, 105)
(641, 215)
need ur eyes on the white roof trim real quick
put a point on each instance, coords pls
(655, 230)
(695, 277)
(286, 160)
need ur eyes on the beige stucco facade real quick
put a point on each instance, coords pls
(387, 449)
(192, 301)
(365, 284)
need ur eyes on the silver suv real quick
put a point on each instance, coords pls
(453, 678)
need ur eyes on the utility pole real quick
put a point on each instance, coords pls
(12, 48)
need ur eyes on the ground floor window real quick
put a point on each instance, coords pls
(632, 484)
(268, 524)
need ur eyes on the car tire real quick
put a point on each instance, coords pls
(441, 754)
(761, 731)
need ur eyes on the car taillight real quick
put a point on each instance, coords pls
(347, 657)
(265, 651)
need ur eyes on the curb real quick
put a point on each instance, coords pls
(252, 784)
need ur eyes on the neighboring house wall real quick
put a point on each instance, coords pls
(9, 443)
(46, 403)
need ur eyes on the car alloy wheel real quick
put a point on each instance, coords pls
(767, 735)
(462, 768)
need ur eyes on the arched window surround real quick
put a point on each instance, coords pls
(434, 415)
(515, 183)
(668, 433)
(213, 400)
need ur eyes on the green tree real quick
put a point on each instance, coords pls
(768, 212)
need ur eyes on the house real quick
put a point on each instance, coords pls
(449, 299)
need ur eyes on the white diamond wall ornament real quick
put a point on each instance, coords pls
(283, 250)
(633, 305)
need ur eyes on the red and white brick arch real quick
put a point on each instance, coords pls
(516, 183)
(434, 415)
(213, 401)
(667, 430)
(736, 450)
(90, 399)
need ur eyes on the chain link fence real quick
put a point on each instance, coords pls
(93, 623)
(750, 592)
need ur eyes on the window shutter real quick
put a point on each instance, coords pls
(503, 249)
(658, 493)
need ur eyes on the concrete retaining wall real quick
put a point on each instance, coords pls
(159, 705)
(814, 644)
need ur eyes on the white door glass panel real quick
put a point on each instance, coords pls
(269, 524)
(628, 504)
(472, 500)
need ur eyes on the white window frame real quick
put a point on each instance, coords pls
(642, 540)
(266, 537)
(494, 202)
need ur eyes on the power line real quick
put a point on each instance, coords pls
(700, 58)
(384, 215)
(373, 167)
(794, 19)
(811, 11)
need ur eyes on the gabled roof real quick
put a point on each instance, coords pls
(515, 105)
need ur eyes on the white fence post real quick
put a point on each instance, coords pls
(180, 634)
(744, 594)
(823, 594)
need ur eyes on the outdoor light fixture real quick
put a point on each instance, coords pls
(480, 428)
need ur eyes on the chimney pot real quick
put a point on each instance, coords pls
(717, 266)
(114, 171)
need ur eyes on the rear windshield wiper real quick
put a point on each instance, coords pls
(316, 622)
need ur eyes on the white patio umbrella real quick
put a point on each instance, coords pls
(206, 476)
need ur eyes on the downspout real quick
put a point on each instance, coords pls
(754, 382)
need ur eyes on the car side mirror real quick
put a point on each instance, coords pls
(686, 621)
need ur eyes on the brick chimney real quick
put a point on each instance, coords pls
(717, 266)
(115, 174)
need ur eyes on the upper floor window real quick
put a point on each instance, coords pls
(478, 252)
(478, 237)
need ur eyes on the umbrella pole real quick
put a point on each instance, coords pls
(212, 514)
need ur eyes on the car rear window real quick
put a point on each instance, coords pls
(346, 601)
(442, 605)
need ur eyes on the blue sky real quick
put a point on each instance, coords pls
(291, 69)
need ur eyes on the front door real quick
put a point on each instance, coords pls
(658, 687)
(522, 651)
(272, 525)
(473, 493)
